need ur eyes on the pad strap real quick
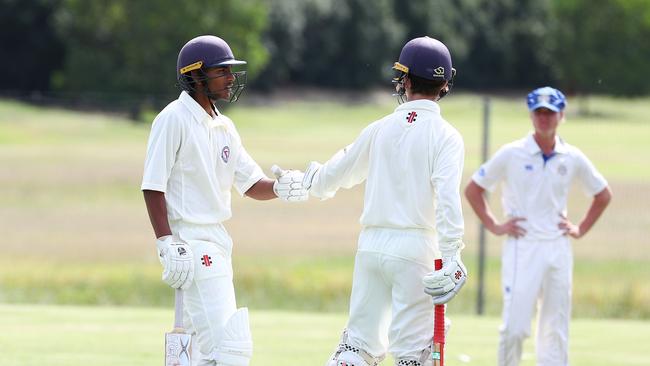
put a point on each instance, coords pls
(425, 359)
(367, 357)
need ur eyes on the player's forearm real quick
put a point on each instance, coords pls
(262, 190)
(476, 199)
(598, 206)
(157, 209)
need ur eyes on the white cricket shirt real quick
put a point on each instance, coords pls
(196, 160)
(412, 160)
(538, 190)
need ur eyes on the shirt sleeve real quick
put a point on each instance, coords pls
(247, 172)
(162, 149)
(492, 171)
(446, 177)
(347, 168)
(592, 181)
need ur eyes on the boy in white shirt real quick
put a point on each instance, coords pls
(537, 259)
(412, 162)
(194, 158)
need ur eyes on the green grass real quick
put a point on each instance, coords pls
(73, 335)
(75, 229)
(303, 284)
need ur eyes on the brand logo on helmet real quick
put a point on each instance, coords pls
(439, 72)
(225, 154)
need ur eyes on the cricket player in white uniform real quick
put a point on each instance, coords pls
(194, 158)
(412, 161)
(537, 259)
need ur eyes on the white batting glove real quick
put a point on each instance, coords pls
(445, 283)
(312, 169)
(177, 261)
(288, 186)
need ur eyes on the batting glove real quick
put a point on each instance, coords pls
(312, 169)
(288, 186)
(445, 283)
(177, 261)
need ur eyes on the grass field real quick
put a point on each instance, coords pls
(75, 229)
(72, 335)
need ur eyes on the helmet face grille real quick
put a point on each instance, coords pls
(238, 85)
(187, 83)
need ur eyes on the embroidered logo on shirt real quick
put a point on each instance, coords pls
(529, 167)
(562, 170)
(481, 172)
(225, 154)
(410, 118)
(206, 260)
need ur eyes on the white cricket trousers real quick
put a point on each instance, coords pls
(210, 300)
(388, 306)
(536, 275)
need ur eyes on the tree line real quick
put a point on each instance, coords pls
(122, 46)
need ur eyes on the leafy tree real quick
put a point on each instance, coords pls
(494, 43)
(30, 48)
(602, 46)
(331, 43)
(122, 45)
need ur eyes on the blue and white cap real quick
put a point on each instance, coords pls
(546, 97)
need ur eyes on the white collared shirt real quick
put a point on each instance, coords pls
(412, 160)
(538, 190)
(196, 160)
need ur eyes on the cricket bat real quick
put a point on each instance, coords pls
(177, 342)
(438, 352)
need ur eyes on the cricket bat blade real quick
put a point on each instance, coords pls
(177, 342)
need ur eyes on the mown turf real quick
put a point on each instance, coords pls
(302, 283)
(75, 336)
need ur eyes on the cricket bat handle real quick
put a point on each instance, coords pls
(178, 309)
(438, 353)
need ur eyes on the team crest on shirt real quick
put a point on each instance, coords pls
(562, 170)
(225, 154)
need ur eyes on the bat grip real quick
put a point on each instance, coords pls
(178, 308)
(439, 315)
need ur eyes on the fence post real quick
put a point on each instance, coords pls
(481, 240)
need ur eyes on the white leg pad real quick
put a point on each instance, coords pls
(236, 346)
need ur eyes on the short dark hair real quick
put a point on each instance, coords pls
(425, 86)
